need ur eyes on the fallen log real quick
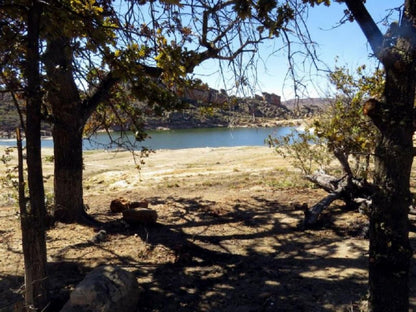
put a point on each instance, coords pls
(327, 182)
(312, 214)
(354, 192)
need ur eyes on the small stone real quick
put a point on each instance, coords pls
(140, 216)
(100, 236)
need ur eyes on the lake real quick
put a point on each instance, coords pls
(183, 138)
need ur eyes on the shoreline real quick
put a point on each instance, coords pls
(255, 124)
(261, 124)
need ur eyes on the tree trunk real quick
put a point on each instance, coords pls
(68, 118)
(69, 114)
(69, 206)
(356, 193)
(33, 216)
(390, 250)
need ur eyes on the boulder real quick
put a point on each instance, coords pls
(140, 216)
(101, 236)
(106, 288)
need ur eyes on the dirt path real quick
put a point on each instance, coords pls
(227, 237)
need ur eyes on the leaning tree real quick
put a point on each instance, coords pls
(342, 132)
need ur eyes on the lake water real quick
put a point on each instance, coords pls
(184, 138)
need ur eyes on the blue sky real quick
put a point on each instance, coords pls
(346, 43)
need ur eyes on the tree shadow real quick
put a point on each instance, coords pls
(248, 255)
(10, 291)
(209, 275)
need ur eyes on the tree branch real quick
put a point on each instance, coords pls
(150, 71)
(100, 94)
(103, 90)
(373, 109)
(312, 214)
(367, 25)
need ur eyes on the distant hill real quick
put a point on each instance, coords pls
(310, 104)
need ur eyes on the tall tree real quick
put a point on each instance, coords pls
(33, 211)
(394, 118)
(390, 250)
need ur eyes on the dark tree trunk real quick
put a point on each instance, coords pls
(69, 206)
(68, 118)
(70, 113)
(33, 216)
(390, 250)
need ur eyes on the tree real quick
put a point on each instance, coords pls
(150, 47)
(32, 211)
(390, 251)
(33, 218)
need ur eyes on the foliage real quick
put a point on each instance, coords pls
(342, 130)
(305, 150)
(9, 179)
(344, 127)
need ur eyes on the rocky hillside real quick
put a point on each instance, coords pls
(214, 109)
(206, 108)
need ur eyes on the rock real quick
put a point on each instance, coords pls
(99, 237)
(139, 204)
(272, 98)
(106, 288)
(119, 205)
(122, 204)
(140, 216)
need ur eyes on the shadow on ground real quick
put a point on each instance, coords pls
(266, 264)
(244, 255)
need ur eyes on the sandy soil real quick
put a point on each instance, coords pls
(227, 238)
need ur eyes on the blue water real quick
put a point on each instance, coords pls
(184, 138)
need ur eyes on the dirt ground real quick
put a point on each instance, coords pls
(227, 237)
